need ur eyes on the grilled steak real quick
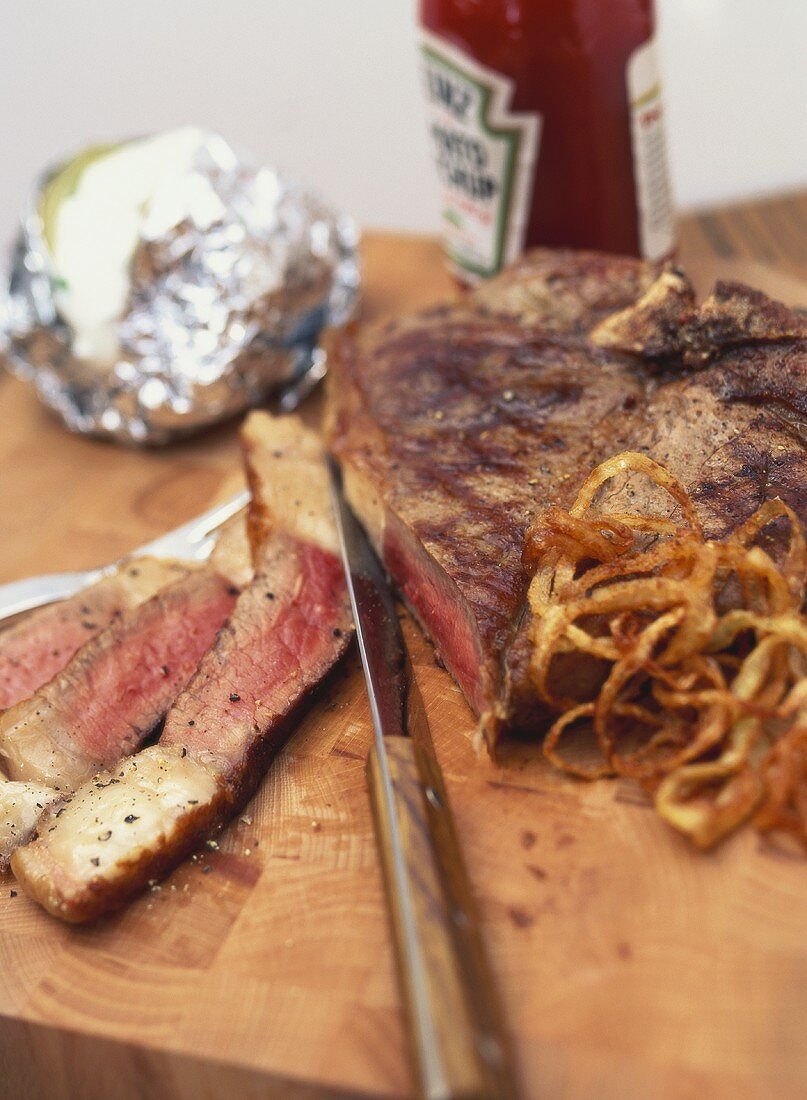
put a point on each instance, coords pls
(231, 555)
(35, 649)
(286, 631)
(454, 427)
(21, 807)
(117, 687)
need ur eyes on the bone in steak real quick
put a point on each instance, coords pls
(287, 630)
(454, 427)
(33, 650)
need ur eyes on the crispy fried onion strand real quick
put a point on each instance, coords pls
(690, 656)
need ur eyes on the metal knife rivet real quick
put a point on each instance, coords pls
(490, 1049)
(460, 918)
(434, 798)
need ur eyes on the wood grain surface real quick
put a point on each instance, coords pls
(628, 965)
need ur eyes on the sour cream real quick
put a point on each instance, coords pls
(95, 227)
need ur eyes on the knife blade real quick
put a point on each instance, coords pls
(455, 1023)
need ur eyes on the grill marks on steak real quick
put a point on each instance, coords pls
(734, 432)
(117, 687)
(459, 432)
(35, 649)
(454, 428)
(286, 631)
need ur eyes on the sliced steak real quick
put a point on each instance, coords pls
(21, 807)
(116, 688)
(453, 428)
(231, 555)
(287, 630)
(40, 645)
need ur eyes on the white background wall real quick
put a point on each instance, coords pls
(329, 90)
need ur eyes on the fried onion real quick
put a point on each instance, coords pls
(698, 653)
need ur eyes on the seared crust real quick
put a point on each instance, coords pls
(117, 834)
(456, 426)
(666, 322)
(564, 291)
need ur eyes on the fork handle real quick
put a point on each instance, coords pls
(20, 596)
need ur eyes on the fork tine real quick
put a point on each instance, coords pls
(186, 540)
(192, 541)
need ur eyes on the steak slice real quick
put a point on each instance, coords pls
(455, 427)
(287, 630)
(40, 645)
(117, 687)
(21, 807)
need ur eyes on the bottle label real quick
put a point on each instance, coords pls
(650, 166)
(485, 156)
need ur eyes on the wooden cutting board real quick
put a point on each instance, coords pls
(629, 966)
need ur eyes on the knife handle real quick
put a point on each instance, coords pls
(450, 1001)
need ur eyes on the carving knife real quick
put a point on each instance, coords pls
(455, 1023)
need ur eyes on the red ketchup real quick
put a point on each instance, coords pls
(547, 128)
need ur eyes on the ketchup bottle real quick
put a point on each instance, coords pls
(547, 128)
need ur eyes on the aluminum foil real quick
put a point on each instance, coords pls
(225, 303)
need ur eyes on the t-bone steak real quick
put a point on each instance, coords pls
(456, 426)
